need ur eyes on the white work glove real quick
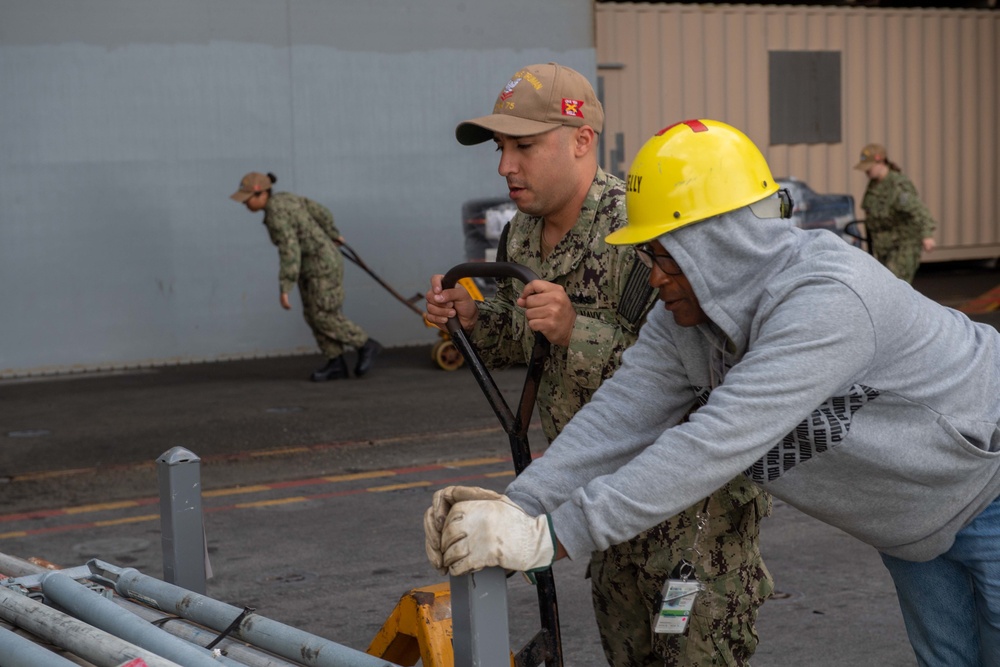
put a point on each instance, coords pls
(435, 515)
(496, 533)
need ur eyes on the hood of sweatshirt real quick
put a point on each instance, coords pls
(729, 260)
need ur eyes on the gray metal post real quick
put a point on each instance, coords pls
(181, 522)
(479, 619)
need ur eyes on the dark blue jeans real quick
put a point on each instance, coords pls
(951, 604)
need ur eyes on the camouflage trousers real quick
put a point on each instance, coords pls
(321, 300)
(899, 255)
(627, 582)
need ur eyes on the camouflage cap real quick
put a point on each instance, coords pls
(871, 154)
(250, 185)
(537, 99)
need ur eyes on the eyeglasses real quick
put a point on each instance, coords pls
(664, 262)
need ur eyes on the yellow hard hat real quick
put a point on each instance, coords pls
(688, 172)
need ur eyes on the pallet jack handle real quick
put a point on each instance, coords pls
(349, 253)
(547, 644)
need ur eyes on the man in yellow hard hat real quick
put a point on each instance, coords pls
(834, 385)
(589, 303)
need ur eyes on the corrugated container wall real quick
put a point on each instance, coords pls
(925, 83)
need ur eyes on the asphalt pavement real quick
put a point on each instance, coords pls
(314, 492)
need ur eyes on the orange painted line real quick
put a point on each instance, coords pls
(251, 505)
(984, 303)
(37, 514)
(256, 488)
(237, 456)
(55, 529)
(279, 452)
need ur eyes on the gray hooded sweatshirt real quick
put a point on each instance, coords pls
(833, 385)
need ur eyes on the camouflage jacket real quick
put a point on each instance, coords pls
(607, 285)
(303, 231)
(894, 212)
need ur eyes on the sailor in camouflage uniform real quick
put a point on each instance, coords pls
(607, 295)
(898, 224)
(307, 240)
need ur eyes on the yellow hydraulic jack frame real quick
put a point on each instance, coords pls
(419, 628)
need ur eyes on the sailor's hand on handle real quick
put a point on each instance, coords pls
(434, 517)
(548, 310)
(443, 304)
(495, 533)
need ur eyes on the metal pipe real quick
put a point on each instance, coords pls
(12, 566)
(18, 651)
(179, 627)
(91, 607)
(243, 653)
(278, 638)
(62, 630)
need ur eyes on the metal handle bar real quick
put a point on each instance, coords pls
(547, 644)
(516, 426)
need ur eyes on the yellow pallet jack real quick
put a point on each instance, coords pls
(444, 353)
(421, 626)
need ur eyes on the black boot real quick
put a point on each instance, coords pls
(366, 356)
(335, 368)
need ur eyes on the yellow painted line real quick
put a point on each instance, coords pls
(396, 487)
(360, 475)
(280, 501)
(98, 507)
(235, 490)
(16, 533)
(471, 462)
(131, 519)
(281, 452)
(52, 474)
(259, 488)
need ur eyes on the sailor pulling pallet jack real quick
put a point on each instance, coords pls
(588, 303)
(835, 386)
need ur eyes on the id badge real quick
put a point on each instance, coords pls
(675, 610)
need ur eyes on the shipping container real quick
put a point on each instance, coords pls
(812, 85)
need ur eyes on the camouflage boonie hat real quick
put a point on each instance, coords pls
(537, 98)
(870, 154)
(250, 185)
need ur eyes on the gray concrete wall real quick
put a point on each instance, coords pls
(125, 125)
